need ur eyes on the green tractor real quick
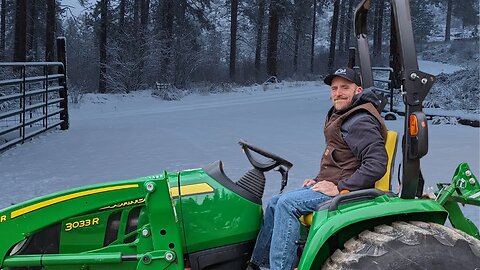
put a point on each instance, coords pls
(201, 219)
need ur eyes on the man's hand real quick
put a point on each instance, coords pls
(309, 182)
(326, 187)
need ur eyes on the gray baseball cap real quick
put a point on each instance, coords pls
(346, 73)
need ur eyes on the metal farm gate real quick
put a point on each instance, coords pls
(33, 98)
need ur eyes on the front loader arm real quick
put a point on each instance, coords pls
(19, 222)
(464, 189)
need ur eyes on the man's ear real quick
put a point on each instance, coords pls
(358, 90)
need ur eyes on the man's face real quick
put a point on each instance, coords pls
(342, 92)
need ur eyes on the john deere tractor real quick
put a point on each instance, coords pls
(201, 219)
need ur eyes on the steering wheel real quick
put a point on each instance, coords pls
(274, 161)
(282, 165)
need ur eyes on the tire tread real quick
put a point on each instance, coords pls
(374, 243)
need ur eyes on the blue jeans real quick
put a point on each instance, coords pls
(282, 228)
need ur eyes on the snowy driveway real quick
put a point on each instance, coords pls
(114, 137)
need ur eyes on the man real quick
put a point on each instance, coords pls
(354, 158)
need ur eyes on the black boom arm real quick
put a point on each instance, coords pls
(415, 85)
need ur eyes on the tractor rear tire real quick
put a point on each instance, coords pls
(412, 245)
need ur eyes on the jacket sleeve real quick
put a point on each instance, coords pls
(362, 133)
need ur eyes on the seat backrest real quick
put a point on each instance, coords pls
(385, 182)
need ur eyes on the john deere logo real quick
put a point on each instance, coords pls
(341, 71)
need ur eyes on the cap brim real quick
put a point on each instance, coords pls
(328, 80)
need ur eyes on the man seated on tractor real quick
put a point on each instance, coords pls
(354, 159)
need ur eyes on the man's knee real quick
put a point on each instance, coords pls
(273, 201)
(286, 201)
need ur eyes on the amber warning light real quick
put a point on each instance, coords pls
(414, 125)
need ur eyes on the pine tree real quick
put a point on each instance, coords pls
(50, 33)
(422, 20)
(259, 37)
(349, 25)
(378, 28)
(333, 35)
(272, 45)
(20, 50)
(467, 11)
(3, 12)
(233, 37)
(343, 26)
(448, 22)
(102, 85)
(312, 42)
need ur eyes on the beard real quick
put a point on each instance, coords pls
(341, 104)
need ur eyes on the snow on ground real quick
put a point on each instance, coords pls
(114, 137)
(436, 68)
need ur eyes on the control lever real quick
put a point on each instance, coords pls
(283, 170)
